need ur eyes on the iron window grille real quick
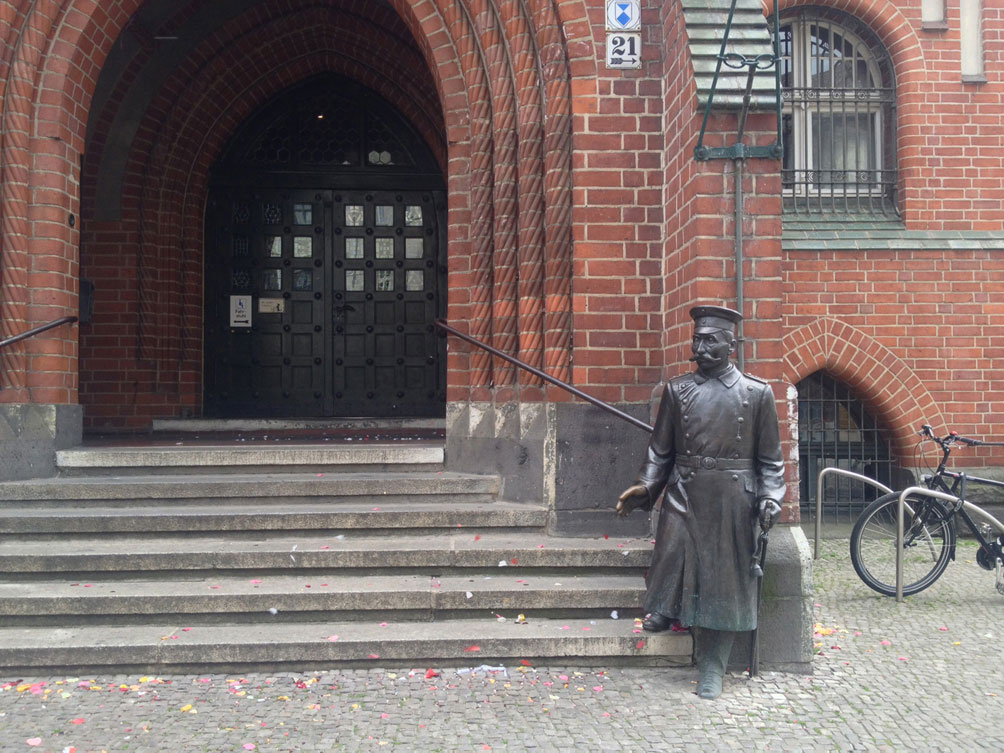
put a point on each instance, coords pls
(835, 430)
(838, 117)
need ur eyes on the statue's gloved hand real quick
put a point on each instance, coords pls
(632, 498)
(768, 511)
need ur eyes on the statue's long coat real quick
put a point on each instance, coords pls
(716, 449)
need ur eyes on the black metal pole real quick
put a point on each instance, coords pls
(545, 376)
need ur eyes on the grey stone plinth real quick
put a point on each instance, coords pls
(30, 435)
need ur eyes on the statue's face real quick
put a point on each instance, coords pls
(712, 349)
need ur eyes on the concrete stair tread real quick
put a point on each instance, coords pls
(223, 585)
(246, 484)
(469, 642)
(532, 544)
(262, 509)
(278, 454)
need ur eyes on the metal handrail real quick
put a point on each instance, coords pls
(441, 323)
(819, 496)
(37, 330)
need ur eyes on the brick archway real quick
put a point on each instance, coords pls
(873, 371)
(502, 74)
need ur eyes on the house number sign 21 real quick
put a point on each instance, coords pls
(624, 50)
(623, 35)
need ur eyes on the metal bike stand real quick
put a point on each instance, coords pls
(819, 496)
(969, 507)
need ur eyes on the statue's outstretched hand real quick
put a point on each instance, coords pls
(768, 513)
(631, 498)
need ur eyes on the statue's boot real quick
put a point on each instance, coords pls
(711, 651)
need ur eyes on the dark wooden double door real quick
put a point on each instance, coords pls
(322, 303)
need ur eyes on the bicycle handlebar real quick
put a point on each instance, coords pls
(952, 437)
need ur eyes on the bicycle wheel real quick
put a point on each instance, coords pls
(928, 544)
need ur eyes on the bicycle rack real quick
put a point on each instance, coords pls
(969, 507)
(819, 496)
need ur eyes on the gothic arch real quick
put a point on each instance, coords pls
(877, 374)
(520, 65)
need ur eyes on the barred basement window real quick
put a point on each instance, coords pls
(835, 430)
(838, 125)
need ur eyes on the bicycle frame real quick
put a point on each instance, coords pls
(954, 495)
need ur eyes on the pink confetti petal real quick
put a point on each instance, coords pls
(374, 656)
(255, 580)
(886, 643)
(77, 721)
(33, 741)
(904, 658)
(472, 648)
(186, 630)
(640, 645)
(248, 746)
(943, 629)
(332, 638)
(597, 688)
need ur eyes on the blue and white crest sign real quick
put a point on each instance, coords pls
(623, 15)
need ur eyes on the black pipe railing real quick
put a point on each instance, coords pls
(545, 376)
(37, 330)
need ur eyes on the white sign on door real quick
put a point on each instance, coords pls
(240, 311)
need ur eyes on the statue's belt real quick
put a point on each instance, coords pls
(714, 464)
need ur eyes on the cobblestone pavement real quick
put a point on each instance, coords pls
(923, 675)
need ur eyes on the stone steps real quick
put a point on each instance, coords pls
(336, 596)
(264, 553)
(484, 552)
(168, 646)
(236, 458)
(136, 489)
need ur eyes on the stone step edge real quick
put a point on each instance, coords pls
(323, 592)
(215, 455)
(469, 550)
(348, 484)
(466, 642)
(123, 520)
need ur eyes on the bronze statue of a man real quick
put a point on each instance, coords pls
(716, 450)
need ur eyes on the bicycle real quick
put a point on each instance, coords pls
(929, 528)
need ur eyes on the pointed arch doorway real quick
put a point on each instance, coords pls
(325, 262)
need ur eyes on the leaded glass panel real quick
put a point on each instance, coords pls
(303, 280)
(303, 214)
(384, 215)
(271, 213)
(354, 215)
(385, 248)
(355, 280)
(303, 247)
(413, 216)
(384, 280)
(414, 248)
(354, 248)
(271, 279)
(414, 280)
(273, 246)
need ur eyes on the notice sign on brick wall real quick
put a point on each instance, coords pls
(623, 38)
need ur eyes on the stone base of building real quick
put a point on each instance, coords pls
(30, 434)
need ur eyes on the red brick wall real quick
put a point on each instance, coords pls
(618, 214)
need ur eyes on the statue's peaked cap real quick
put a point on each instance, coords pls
(715, 317)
